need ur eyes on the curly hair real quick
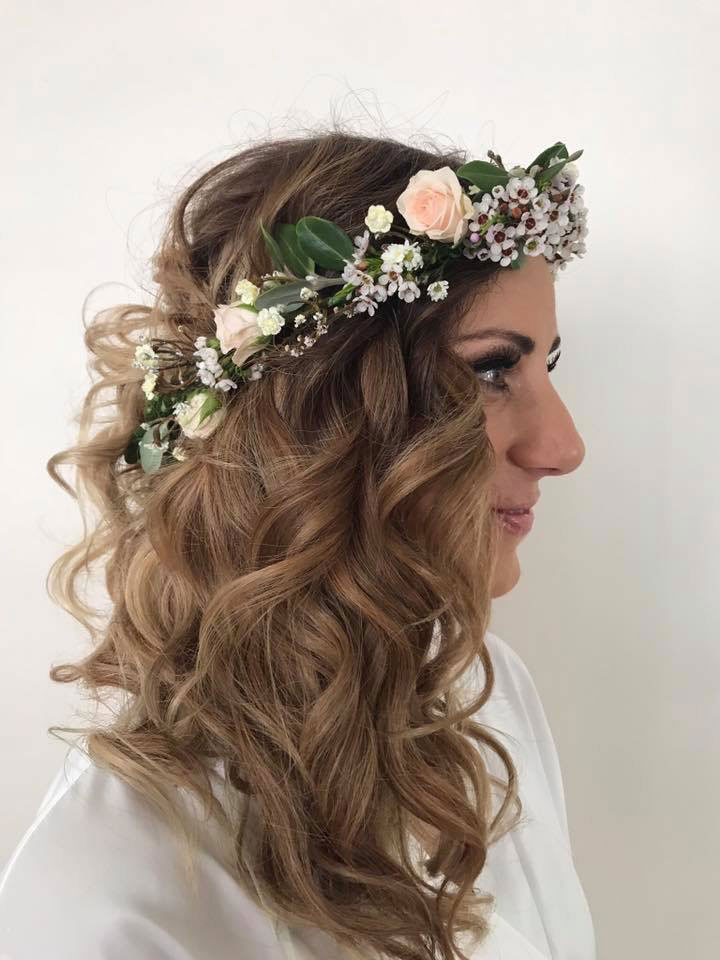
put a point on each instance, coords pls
(298, 599)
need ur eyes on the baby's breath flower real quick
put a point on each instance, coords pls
(270, 321)
(247, 291)
(145, 357)
(148, 385)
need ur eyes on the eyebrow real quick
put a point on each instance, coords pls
(522, 341)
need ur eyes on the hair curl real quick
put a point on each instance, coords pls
(297, 599)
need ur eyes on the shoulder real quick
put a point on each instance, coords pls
(102, 869)
(508, 662)
(518, 708)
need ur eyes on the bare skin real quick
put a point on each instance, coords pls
(529, 426)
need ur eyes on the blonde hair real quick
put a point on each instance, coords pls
(275, 595)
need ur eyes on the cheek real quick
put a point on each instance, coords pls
(498, 430)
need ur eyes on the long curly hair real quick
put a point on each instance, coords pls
(298, 600)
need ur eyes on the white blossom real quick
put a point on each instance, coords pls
(208, 367)
(378, 219)
(567, 177)
(486, 205)
(534, 246)
(145, 357)
(401, 256)
(270, 320)
(438, 289)
(148, 385)
(361, 245)
(247, 291)
(522, 189)
(361, 304)
(389, 281)
(408, 290)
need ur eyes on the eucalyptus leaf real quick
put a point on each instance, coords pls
(295, 305)
(325, 242)
(273, 249)
(295, 258)
(150, 454)
(282, 293)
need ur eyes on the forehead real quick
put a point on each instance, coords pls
(522, 299)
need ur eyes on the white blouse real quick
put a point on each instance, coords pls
(95, 875)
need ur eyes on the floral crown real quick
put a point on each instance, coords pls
(518, 212)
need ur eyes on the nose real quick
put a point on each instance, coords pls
(547, 439)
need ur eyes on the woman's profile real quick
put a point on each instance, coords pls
(326, 436)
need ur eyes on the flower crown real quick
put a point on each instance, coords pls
(518, 212)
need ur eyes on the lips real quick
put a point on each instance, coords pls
(516, 521)
(518, 505)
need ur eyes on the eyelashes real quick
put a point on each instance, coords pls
(503, 358)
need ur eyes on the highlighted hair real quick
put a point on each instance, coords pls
(299, 599)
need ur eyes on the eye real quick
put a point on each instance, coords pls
(504, 358)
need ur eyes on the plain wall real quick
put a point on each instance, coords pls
(107, 107)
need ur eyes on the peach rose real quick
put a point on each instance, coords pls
(237, 327)
(435, 203)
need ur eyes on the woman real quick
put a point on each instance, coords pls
(303, 523)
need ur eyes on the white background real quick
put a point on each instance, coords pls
(107, 108)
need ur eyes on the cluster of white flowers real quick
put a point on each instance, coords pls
(147, 359)
(544, 226)
(209, 369)
(496, 225)
(398, 262)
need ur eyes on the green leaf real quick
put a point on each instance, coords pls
(211, 403)
(273, 249)
(150, 454)
(295, 258)
(132, 452)
(556, 150)
(339, 297)
(546, 176)
(325, 242)
(484, 175)
(295, 305)
(281, 294)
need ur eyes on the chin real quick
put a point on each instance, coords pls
(507, 574)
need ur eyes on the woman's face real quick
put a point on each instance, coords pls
(530, 428)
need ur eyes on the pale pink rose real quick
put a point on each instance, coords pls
(435, 203)
(237, 327)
